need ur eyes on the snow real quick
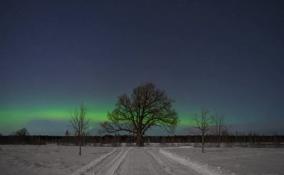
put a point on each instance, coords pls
(92, 164)
(151, 160)
(201, 169)
(236, 160)
(46, 159)
(109, 166)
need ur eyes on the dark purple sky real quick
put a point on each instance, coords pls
(223, 55)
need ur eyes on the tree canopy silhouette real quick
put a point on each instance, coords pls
(22, 132)
(146, 107)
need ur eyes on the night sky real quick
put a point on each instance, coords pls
(226, 56)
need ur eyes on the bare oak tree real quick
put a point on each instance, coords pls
(146, 107)
(203, 121)
(80, 124)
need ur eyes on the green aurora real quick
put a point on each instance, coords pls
(13, 118)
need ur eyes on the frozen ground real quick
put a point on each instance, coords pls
(57, 160)
(46, 159)
(239, 161)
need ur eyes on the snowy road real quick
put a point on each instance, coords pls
(139, 161)
(149, 160)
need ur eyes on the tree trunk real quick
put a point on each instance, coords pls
(202, 142)
(80, 146)
(219, 136)
(219, 141)
(139, 140)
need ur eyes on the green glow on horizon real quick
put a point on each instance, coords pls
(15, 117)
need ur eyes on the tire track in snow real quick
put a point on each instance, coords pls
(109, 165)
(170, 166)
(201, 169)
(117, 162)
(93, 163)
(167, 169)
(139, 162)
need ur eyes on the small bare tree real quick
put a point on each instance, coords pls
(203, 121)
(80, 124)
(218, 122)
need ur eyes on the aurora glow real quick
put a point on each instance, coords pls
(225, 56)
(16, 117)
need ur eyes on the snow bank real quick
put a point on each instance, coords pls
(201, 169)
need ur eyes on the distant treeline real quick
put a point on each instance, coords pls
(116, 140)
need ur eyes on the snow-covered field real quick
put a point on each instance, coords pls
(236, 160)
(46, 159)
(57, 160)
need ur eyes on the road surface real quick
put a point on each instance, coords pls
(141, 161)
